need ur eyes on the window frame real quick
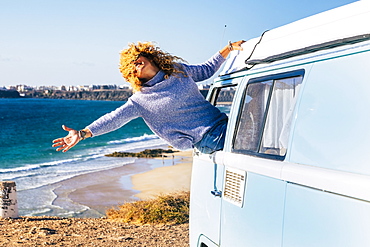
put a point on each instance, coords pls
(274, 77)
(216, 92)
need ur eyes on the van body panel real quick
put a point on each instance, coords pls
(205, 209)
(271, 168)
(348, 184)
(318, 218)
(263, 210)
(332, 116)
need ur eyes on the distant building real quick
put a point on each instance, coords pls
(83, 88)
(23, 88)
(124, 87)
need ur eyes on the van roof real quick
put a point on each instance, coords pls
(343, 25)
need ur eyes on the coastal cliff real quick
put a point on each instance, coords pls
(112, 95)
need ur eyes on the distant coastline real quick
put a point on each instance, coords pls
(111, 95)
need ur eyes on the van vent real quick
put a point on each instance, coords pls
(234, 186)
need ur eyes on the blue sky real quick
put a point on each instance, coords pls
(77, 42)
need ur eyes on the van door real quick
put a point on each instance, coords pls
(253, 193)
(206, 183)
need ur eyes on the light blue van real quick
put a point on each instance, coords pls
(295, 170)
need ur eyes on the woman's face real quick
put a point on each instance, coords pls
(145, 69)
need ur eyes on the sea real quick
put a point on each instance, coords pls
(27, 128)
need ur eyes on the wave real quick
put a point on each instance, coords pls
(81, 161)
(89, 155)
(144, 137)
(28, 168)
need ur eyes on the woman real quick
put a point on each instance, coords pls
(166, 97)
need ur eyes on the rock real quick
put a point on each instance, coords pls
(147, 153)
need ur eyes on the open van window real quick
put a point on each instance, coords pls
(222, 97)
(264, 122)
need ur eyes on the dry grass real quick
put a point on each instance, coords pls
(165, 209)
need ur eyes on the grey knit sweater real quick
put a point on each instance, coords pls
(173, 108)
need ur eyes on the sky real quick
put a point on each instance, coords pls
(77, 42)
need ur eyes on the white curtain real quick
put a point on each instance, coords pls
(280, 112)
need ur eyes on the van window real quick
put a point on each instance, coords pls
(265, 118)
(222, 97)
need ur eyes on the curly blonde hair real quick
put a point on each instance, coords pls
(163, 60)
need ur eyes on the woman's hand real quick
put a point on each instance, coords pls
(236, 45)
(69, 141)
(231, 47)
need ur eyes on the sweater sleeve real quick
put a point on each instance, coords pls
(206, 70)
(114, 120)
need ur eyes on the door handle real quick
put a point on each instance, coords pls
(217, 193)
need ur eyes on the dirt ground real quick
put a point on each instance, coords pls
(54, 231)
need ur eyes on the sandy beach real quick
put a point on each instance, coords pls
(99, 191)
(143, 179)
(163, 180)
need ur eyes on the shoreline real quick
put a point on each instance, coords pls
(143, 179)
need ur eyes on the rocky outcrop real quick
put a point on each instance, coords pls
(147, 153)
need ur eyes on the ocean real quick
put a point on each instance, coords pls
(27, 128)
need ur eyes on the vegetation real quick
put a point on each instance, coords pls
(147, 153)
(9, 94)
(165, 209)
